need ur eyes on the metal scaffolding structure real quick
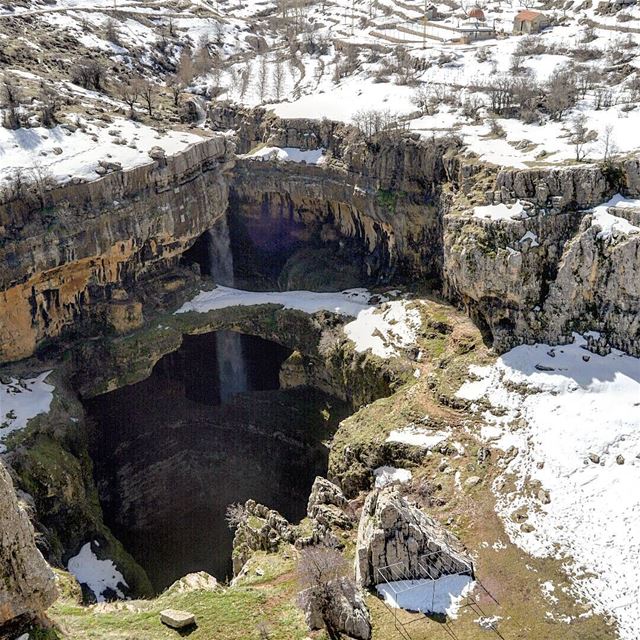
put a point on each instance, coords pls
(399, 579)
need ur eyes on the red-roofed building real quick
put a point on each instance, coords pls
(530, 22)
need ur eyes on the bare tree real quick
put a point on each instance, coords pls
(148, 92)
(581, 136)
(175, 87)
(609, 146)
(561, 93)
(372, 122)
(278, 80)
(245, 81)
(111, 32)
(129, 92)
(263, 79)
(185, 68)
(89, 73)
(202, 57)
(42, 181)
(321, 574)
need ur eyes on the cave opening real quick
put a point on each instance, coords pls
(169, 456)
(277, 245)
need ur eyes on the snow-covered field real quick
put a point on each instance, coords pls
(21, 400)
(63, 154)
(574, 417)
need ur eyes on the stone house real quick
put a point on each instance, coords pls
(530, 22)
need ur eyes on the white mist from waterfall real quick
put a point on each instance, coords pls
(232, 373)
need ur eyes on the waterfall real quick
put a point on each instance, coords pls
(232, 372)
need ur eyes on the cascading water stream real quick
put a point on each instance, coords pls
(232, 372)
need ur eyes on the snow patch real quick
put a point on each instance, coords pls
(418, 437)
(388, 475)
(500, 211)
(287, 154)
(21, 400)
(98, 575)
(386, 329)
(610, 224)
(444, 595)
(349, 303)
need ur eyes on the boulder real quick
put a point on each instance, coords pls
(394, 533)
(177, 619)
(28, 585)
(159, 155)
(199, 581)
(348, 613)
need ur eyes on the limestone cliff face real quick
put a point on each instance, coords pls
(384, 194)
(73, 260)
(28, 584)
(551, 272)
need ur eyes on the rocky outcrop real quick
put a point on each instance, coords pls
(261, 529)
(73, 260)
(398, 541)
(28, 585)
(327, 505)
(348, 613)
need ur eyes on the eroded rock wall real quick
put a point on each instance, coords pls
(550, 272)
(384, 193)
(72, 261)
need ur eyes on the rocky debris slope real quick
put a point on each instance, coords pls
(28, 584)
(398, 541)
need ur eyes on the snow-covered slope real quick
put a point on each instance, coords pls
(574, 418)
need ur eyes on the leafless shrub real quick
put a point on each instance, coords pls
(530, 46)
(235, 515)
(602, 98)
(111, 32)
(321, 574)
(372, 122)
(89, 73)
(561, 93)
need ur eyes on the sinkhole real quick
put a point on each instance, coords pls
(171, 452)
